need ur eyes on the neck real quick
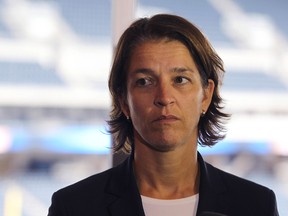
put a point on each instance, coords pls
(166, 175)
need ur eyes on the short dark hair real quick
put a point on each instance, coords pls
(210, 66)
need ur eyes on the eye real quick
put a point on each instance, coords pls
(144, 82)
(181, 80)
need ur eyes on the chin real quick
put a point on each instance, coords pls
(163, 146)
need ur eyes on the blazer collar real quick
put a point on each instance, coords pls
(212, 189)
(124, 199)
(122, 193)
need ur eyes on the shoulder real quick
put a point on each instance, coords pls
(89, 186)
(88, 195)
(243, 195)
(97, 184)
(236, 183)
(220, 180)
(99, 181)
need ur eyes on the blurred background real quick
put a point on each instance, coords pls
(55, 57)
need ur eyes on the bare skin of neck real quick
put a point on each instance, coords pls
(166, 175)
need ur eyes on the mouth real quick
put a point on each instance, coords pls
(166, 118)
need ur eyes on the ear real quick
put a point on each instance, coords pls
(124, 106)
(208, 94)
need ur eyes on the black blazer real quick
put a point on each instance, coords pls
(114, 192)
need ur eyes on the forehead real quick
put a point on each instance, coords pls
(169, 53)
(160, 54)
(159, 46)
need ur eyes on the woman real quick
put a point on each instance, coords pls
(164, 84)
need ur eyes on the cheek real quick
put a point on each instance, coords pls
(199, 97)
(135, 104)
(194, 104)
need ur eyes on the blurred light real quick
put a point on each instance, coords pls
(220, 148)
(78, 139)
(5, 139)
(13, 202)
(41, 27)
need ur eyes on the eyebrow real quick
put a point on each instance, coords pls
(143, 70)
(182, 69)
(175, 70)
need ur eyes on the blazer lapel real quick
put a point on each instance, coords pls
(212, 190)
(122, 196)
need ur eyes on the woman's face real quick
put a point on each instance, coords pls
(165, 97)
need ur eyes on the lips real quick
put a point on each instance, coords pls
(166, 118)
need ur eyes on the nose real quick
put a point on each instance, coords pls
(164, 95)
